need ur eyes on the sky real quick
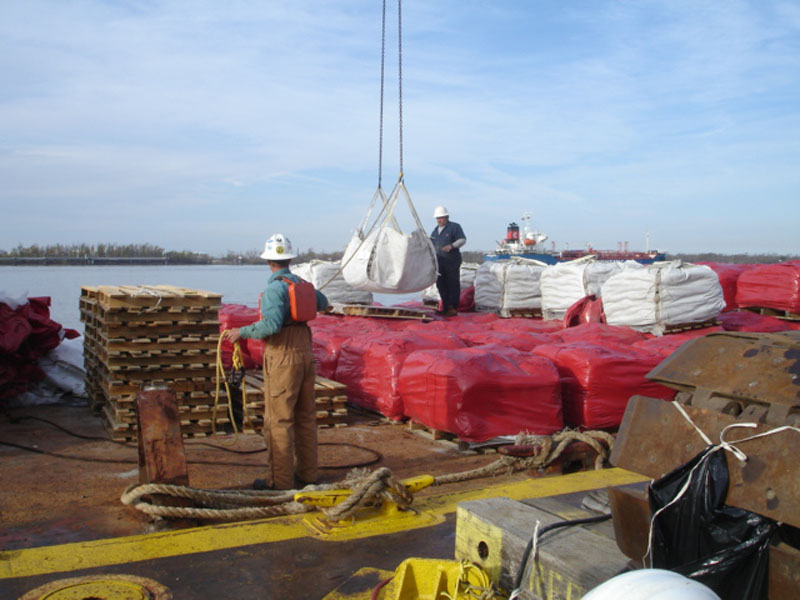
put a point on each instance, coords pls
(208, 126)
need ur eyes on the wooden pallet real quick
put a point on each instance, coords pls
(330, 396)
(144, 298)
(527, 313)
(773, 312)
(385, 312)
(430, 432)
(138, 335)
(690, 326)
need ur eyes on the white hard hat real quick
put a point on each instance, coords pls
(440, 211)
(278, 247)
(651, 584)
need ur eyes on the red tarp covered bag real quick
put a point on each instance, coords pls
(665, 345)
(237, 315)
(515, 324)
(327, 345)
(771, 286)
(370, 368)
(750, 321)
(600, 334)
(597, 382)
(519, 341)
(27, 333)
(481, 393)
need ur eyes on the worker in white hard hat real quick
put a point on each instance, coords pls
(447, 238)
(290, 419)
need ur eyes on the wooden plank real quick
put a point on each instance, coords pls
(493, 533)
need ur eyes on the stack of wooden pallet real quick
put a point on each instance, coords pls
(331, 398)
(160, 335)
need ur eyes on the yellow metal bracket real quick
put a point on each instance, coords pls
(386, 518)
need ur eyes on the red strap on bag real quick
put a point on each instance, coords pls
(302, 300)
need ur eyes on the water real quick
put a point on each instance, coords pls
(238, 284)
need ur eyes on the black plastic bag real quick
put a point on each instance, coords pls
(725, 548)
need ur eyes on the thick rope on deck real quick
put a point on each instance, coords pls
(545, 455)
(220, 505)
(374, 488)
(368, 489)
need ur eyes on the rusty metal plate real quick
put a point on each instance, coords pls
(655, 438)
(757, 367)
(630, 513)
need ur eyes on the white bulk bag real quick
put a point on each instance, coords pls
(563, 284)
(505, 285)
(466, 277)
(650, 298)
(385, 260)
(328, 274)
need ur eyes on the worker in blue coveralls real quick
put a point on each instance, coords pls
(290, 412)
(447, 238)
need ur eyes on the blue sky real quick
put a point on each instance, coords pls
(207, 126)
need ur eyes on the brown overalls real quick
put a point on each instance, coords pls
(290, 416)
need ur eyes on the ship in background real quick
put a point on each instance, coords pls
(531, 244)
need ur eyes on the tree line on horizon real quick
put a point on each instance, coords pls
(55, 251)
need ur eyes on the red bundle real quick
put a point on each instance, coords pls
(370, 367)
(519, 341)
(237, 315)
(598, 381)
(667, 344)
(481, 393)
(26, 334)
(601, 334)
(771, 286)
(749, 321)
(728, 274)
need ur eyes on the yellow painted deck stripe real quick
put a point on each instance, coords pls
(115, 551)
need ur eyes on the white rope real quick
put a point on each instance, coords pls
(531, 558)
(143, 290)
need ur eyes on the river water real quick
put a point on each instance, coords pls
(238, 284)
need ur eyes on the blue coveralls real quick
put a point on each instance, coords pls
(449, 281)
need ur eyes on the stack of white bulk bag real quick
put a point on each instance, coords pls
(653, 297)
(467, 277)
(327, 273)
(563, 284)
(505, 285)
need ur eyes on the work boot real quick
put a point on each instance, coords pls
(451, 312)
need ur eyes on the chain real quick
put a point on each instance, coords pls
(383, 70)
(400, 77)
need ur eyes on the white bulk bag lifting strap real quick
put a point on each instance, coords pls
(382, 258)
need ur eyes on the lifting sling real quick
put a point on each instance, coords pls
(380, 257)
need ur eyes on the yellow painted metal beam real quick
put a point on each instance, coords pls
(433, 509)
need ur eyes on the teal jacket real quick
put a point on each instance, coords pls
(275, 308)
